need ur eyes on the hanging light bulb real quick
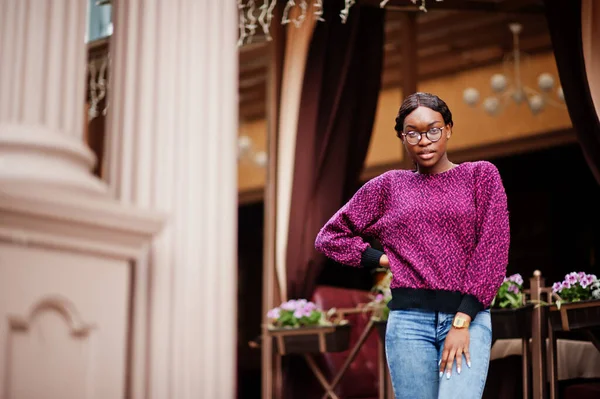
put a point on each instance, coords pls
(536, 103)
(498, 82)
(244, 144)
(491, 105)
(260, 159)
(545, 82)
(471, 96)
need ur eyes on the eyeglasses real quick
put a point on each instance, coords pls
(434, 134)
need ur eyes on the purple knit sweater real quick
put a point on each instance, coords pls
(446, 235)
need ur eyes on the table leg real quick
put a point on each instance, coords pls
(352, 355)
(525, 368)
(326, 385)
(382, 370)
(594, 335)
(552, 360)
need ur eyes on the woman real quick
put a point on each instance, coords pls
(445, 234)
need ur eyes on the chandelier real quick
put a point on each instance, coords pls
(248, 155)
(506, 89)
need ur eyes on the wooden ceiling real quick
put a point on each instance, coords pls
(453, 36)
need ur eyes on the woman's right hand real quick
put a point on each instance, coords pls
(384, 261)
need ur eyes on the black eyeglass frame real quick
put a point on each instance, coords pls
(427, 133)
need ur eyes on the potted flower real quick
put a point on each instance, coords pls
(381, 296)
(511, 315)
(578, 302)
(300, 326)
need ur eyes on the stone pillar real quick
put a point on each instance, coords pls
(172, 134)
(42, 89)
(69, 254)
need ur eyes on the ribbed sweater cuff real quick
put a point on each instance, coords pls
(370, 258)
(470, 305)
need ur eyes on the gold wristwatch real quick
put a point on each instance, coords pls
(460, 322)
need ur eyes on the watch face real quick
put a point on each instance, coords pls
(459, 323)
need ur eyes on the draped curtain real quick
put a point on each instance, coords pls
(576, 43)
(298, 41)
(337, 110)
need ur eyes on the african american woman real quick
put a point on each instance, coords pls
(445, 234)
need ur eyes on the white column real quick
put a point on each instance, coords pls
(172, 130)
(42, 89)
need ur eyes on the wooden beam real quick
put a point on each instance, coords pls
(438, 27)
(254, 111)
(253, 52)
(526, 6)
(251, 97)
(497, 24)
(454, 61)
(481, 37)
(258, 81)
(409, 69)
(252, 70)
(529, 7)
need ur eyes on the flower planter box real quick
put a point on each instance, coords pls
(512, 323)
(575, 315)
(311, 339)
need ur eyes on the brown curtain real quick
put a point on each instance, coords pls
(337, 110)
(564, 22)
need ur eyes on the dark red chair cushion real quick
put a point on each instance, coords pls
(361, 378)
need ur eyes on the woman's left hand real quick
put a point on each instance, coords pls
(455, 346)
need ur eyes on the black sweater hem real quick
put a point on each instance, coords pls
(434, 300)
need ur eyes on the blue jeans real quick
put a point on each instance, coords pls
(414, 343)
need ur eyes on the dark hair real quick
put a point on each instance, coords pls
(416, 100)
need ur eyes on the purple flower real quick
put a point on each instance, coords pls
(592, 277)
(585, 282)
(310, 306)
(518, 279)
(513, 288)
(274, 313)
(289, 305)
(515, 278)
(580, 275)
(572, 278)
(556, 287)
(565, 285)
(298, 313)
(300, 303)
